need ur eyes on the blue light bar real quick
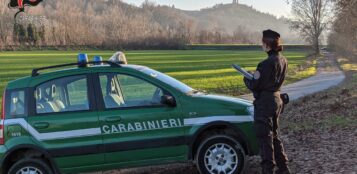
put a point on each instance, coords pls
(97, 59)
(82, 60)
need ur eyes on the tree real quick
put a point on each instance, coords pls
(20, 33)
(15, 32)
(343, 38)
(6, 22)
(148, 4)
(311, 18)
(41, 34)
(32, 35)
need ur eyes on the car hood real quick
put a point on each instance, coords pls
(218, 101)
(229, 99)
(208, 104)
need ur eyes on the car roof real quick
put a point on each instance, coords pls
(23, 82)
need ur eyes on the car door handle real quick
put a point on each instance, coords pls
(41, 125)
(113, 119)
(192, 113)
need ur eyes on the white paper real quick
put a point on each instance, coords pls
(243, 72)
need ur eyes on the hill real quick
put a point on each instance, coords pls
(113, 24)
(229, 18)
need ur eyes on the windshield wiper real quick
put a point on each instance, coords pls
(196, 91)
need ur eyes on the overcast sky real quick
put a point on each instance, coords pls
(275, 7)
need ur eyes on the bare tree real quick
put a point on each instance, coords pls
(6, 23)
(343, 37)
(311, 19)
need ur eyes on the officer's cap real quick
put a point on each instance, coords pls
(271, 34)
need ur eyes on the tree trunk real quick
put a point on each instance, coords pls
(316, 46)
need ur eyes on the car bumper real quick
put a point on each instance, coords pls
(3, 150)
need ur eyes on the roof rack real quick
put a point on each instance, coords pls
(79, 64)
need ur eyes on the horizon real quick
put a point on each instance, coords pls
(260, 5)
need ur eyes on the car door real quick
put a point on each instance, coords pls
(64, 122)
(135, 125)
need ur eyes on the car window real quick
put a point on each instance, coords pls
(77, 94)
(120, 90)
(168, 80)
(62, 95)
(17, 104)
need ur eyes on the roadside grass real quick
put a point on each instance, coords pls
(333, 108)
(339, 121)
(347, 65)
(333, 121)
(319, 130)
(208, 70)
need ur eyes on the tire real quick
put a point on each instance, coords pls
(220, 154)
(32, 164)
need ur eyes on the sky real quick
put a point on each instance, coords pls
(276, 7)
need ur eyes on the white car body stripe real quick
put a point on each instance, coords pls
(53, 135)
(97, 131)
(205, 120)
(70, 134)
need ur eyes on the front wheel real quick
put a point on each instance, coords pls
(30, 166)
(220, 154)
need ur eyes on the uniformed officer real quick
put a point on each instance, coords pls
(266, 84)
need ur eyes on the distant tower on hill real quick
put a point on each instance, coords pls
(235, 1)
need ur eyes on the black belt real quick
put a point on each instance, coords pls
(269, 92)
(258, 94)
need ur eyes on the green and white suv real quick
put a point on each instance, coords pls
(106, 115)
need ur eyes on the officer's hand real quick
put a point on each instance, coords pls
(246, 80)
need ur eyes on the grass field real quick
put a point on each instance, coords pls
(202, 69)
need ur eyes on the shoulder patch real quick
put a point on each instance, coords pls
(256, 75)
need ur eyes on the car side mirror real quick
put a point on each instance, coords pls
(168, 100)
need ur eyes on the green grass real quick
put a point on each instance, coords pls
(243, 47)
(202, 69)
(310, 124)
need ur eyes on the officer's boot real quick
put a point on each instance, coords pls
(284, 170)
(267, 169)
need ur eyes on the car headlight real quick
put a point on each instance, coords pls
(250, 110)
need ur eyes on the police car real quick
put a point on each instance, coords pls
(103, 115)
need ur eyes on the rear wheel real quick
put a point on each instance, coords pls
(220, 154)
(30, 166)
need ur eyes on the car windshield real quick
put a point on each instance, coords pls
(168, 80)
